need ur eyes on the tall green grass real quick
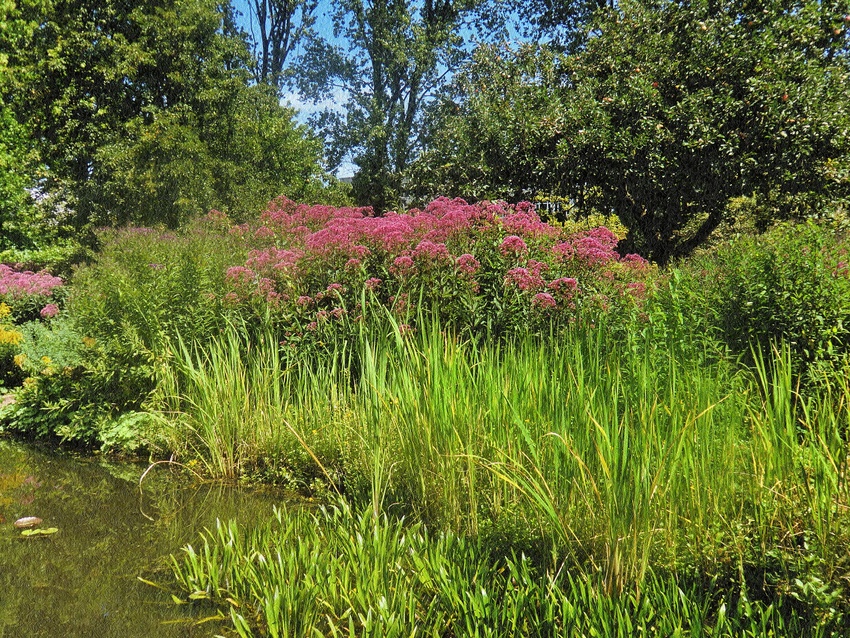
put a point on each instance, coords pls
(612, 461)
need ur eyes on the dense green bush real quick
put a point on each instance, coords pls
(343, 573)
(97, 361)
(789, 284)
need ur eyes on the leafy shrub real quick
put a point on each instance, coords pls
(10, 340)
(791, 283)
(74, 386)
(155, 283)
(342, 572)
(314, 274)
(24, 296)
(98, 361)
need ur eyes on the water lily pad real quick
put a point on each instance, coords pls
(47, 531)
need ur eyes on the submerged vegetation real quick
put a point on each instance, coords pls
(510, 428)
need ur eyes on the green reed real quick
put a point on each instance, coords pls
(620, 459)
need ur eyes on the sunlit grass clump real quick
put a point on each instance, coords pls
(611, 461)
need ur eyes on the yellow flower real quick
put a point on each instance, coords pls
(20, 359)
(5, 310)
(10, 337)
(88, 342)
(46, 361)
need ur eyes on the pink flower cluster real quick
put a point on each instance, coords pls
(49, 311)
(355, 231)
(468, 264)
(321, 259)
(593, 247)
(513, 245)
(16, 284)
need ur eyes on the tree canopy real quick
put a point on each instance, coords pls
(669, 110)
(145, 112)
(394, 57)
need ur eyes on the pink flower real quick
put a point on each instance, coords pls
(635, 261)
(524, 279)
(402, 265)
(360, 251)
(239, 274)
(50, 310)
(16, 284)
(543, 301)
(513, 244)
(273, 299)
(373, 283)
(564, 285)
(593, 251)
(526, 222)
(352, 264)
(304, 301)
(537, 267)
(216, 215)
(401, 303)
(468, 264)
(264, 287)
(428, 250)
(562, 250)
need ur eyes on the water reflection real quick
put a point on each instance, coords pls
(82, 581)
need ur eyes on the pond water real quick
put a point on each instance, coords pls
(82, 580)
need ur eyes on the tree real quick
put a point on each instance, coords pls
(145, 113)
(18, 159)
(562, 24)
(494, 132)
(672, 108)
(397, 55)
(277, 27)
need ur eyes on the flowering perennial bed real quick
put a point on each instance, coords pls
(473, 263)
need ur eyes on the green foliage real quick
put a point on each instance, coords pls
(694, 104)
(790, 284)
(75, 386)
(669, 111)
(240, 151)
(101, 358)
(340, 572)
(621, 459)
(396, 56)
(144, 112)
(494, 136)
(15, 177)
(154, 283)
